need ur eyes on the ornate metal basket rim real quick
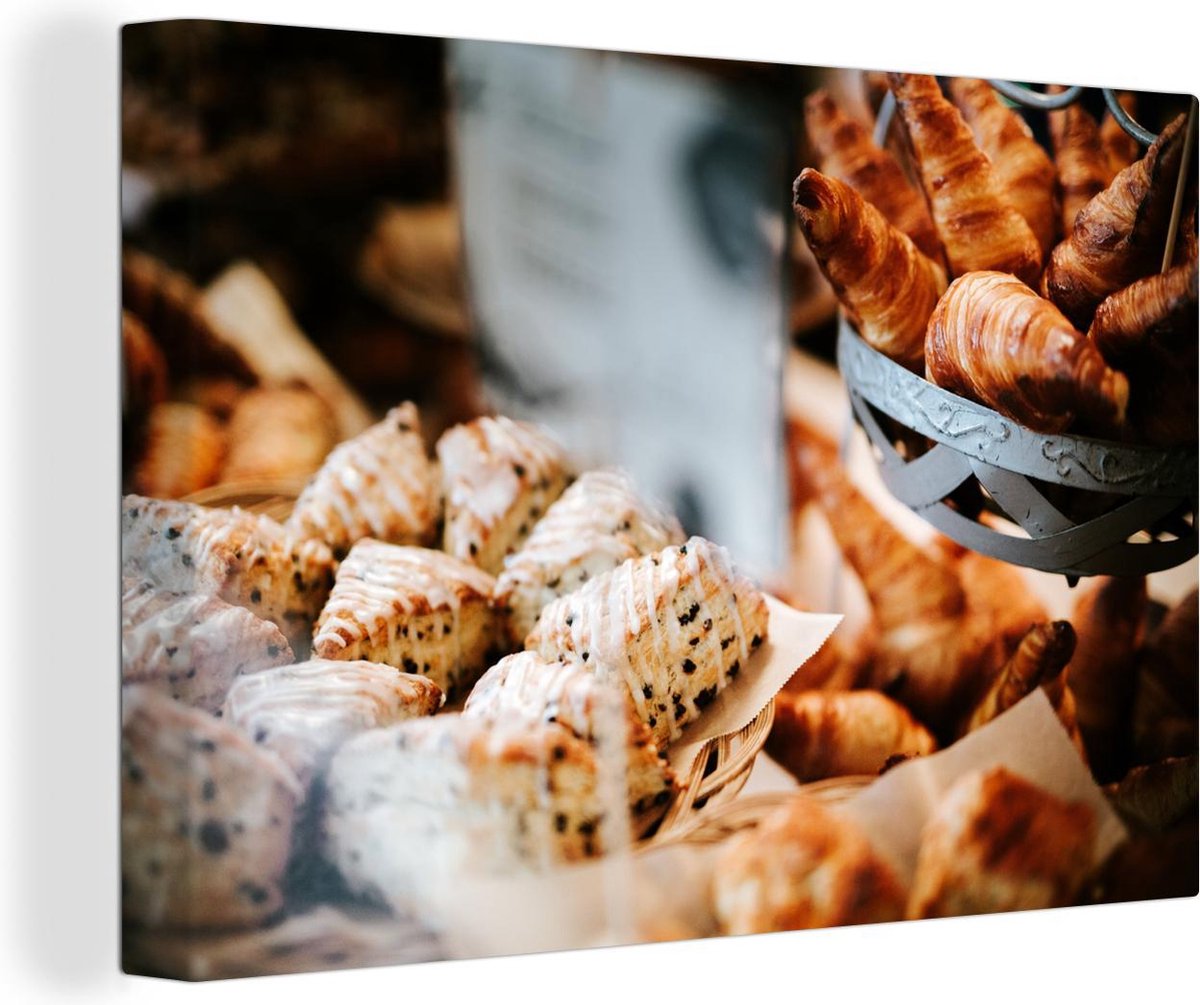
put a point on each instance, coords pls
(979, 432)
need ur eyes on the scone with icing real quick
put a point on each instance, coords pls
(523, 686)
(415, 609)
(305, 711)
(193, 646)
(206, 818)
(244, 558)
(420, 805)
(498, 478)
(594, 526)
(673, 628)
(380, 484)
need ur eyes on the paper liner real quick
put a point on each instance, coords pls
(793, 637)
(669, 885)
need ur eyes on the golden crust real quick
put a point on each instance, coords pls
(978, 227)
(804, 866)
(886, 285)
(182, 452)
(1118, 236)
(277, 433)
(821, 734)
(848, 154)
(995, 341)
(999, 843)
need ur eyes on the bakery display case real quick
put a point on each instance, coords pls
(679, 498)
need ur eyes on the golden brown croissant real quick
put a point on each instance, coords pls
(1157, 309)
(997, 842)
(886, 285)
(144, 368)
(1000, 601)
(1109, 617)
(278, 433)
(1149, 330)
(1120, 235)
(978, 227)
(1120, 149)
(1164, 709)
(995, 341)
(822, 734)
(928, 656)
(183, 452)
(848, 154)
(1022, 168)
(1080, 159)
(1038, 658)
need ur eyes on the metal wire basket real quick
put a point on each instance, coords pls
(1070, 504)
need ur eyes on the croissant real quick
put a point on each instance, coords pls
(926, 655)
(1080, 158)
(183, 450)
(1118, 237)
(887, 286)
(1021, 166)
(995, 341)
(1155, 797)
(848, 154)
(1120, 149)
(822, 734)
(1109, 618)
(978, 227)
(1039, 658)
(1164, 707)
(1149, 330)
(1157, 309)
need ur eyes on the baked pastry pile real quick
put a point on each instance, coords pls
(315, 654)
(993, 842)
(1063, 319)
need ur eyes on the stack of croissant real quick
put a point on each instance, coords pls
(954, 639)
(963, 277)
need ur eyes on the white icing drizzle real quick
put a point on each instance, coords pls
(379, 586)
(306, 710)
(626, 623)
(487, 464)
(379, 484)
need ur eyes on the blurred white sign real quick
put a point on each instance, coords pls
(624, 229)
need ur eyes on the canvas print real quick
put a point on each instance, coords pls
(580, 498)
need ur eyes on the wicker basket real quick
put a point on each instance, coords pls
(717, 772)
(1077, 506)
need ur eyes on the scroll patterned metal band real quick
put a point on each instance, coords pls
(972, 443)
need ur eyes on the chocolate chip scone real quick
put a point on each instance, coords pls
(420, 804)
(498, 478)
(206, 818)
(418, 610)
(193, 646)
(380, 484)
(305, 711)
(673, 627)
(525, 686)
(594, 526)
(244, 558)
